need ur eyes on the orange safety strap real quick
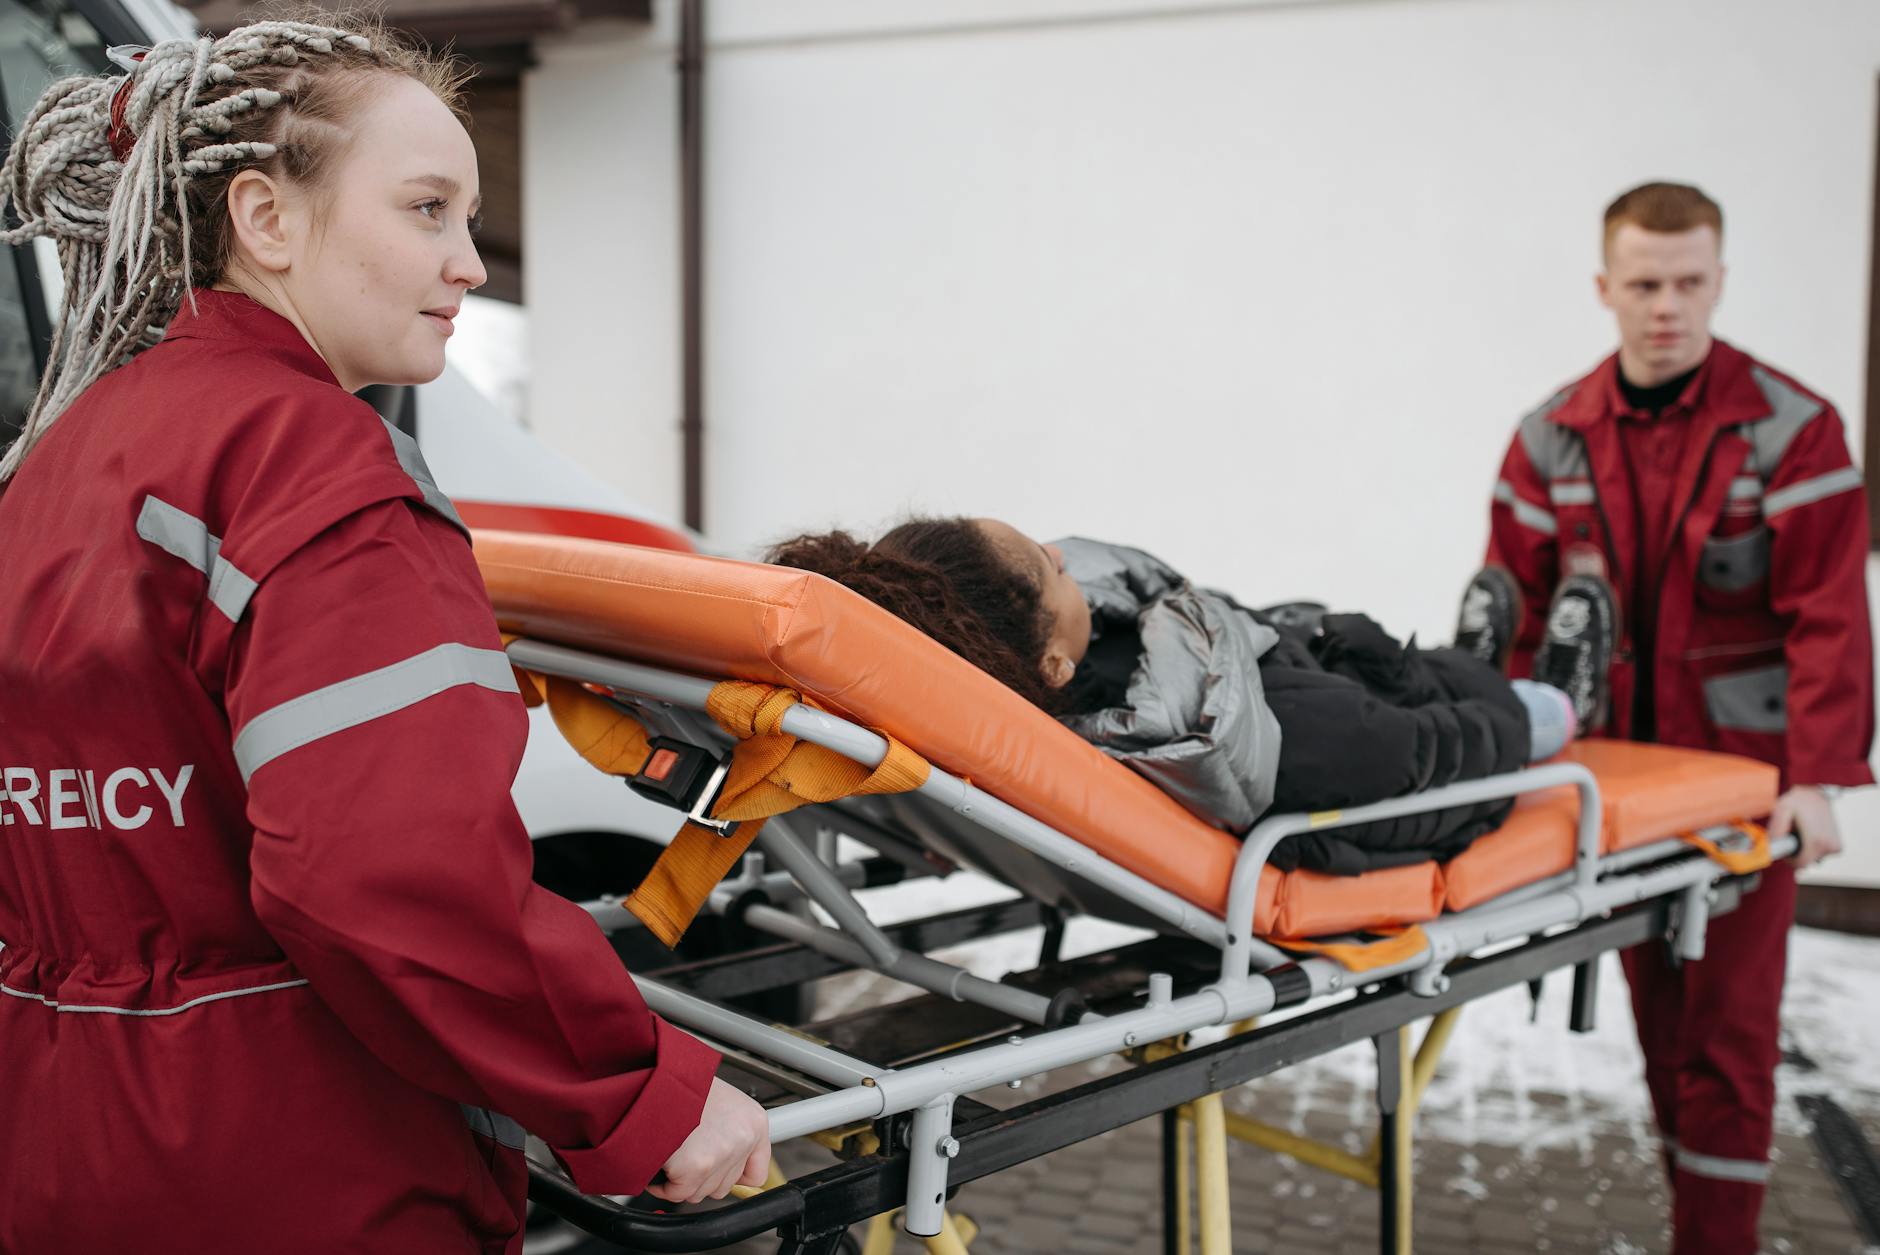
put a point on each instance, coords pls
(1738, 862)
(1395, 944)
(771, 772)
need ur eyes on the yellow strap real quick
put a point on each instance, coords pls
(1395, 945)
(601, 732)
(771, 772)
(1738, 862)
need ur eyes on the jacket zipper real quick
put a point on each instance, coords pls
(1664, 568)
(1677, 525)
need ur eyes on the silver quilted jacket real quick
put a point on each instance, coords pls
(1195, 721)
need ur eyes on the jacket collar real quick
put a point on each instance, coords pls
(1723, 393)
(240, 319)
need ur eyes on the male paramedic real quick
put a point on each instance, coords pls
(1714, 497)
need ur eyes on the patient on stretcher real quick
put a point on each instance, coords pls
(1231, 711)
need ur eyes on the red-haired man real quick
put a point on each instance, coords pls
(1691, 516)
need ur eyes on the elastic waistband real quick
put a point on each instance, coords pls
(83, 989)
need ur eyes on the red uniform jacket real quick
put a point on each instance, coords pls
(1762, 642)
(275, 976)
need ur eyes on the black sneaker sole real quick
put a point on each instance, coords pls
(1576, 654)
(1501, 612)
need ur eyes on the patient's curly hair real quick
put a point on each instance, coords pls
(944, 576)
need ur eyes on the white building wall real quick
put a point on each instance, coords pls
(1260, 287)
(599, 138)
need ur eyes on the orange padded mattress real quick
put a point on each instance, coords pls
(716, 618)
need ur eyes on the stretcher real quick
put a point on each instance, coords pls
(1609, 845)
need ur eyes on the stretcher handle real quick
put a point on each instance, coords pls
(665, 1231)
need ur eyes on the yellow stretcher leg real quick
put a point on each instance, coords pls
(956, 1234)
(1211, 1175)
(1402, 1140)
(1184, 1185)
(1359, 1168)
(880, 1237)
(1430, 1053)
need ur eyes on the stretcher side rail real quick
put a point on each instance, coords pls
(816, 1207)
(1243, 892)
(1241, 948)
(927, 1090)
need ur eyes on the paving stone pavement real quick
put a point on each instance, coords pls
(1516, 1152)
(1103, 1197)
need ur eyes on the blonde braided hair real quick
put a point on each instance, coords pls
(129, 174)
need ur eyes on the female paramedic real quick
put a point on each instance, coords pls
(1230, 711)
(275, 977)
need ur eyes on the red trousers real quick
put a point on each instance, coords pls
(1710, 1034)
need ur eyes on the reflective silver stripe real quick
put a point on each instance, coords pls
(1745, 488)
(1809, 490)
(183, 535)
(349, 703)
(412, 459)
(1790, 410)
(68, 1008)
(1525, 512)
(494, 1125)
(1571, 492)
(1717, 1168)
(229, 589)
(1554, 451)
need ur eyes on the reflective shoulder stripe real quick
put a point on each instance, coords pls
(1789, 412)
(349, 703)
(185, 536)
(1717, 1168)
(1746, 488)
(69, 1008)
(1555, 452)
(1846, 479)
(1525, 513)
(494, 1125)
(412, 460)
(1571, 492)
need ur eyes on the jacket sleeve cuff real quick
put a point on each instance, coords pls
(661, 1117)
(1849, 773)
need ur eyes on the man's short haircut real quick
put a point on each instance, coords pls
(1667, 207)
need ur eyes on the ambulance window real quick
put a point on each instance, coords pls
(40, 40)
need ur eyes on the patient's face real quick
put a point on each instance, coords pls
(1064, 604)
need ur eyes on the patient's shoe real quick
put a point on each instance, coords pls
(1491, 615)
(1576, 655)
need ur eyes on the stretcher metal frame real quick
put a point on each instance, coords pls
(1665, 890)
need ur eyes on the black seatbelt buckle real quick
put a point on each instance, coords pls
(675, 773)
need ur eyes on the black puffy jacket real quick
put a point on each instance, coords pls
(1362, 719)
(1236, 717)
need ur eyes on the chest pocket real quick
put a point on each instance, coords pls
(1579, 533)
(1735, 563)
